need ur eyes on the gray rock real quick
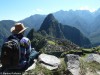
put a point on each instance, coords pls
(93, 57)
(71, 57)
(49, 61)
(72, 61)
(33, 66)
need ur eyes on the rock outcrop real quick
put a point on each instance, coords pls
(49, 61)
(33, 66)
(93, 57)
(72, 61)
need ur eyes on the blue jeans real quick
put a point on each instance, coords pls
(33, 55)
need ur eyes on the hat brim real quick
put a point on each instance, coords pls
(17, 32)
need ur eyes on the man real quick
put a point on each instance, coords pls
(27, 53)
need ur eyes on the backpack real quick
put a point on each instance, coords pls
(10, 54)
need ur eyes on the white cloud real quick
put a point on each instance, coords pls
(39, 10)
(87, 8)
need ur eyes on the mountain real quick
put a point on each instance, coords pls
(97, 12)
(75, 35)
(56, 29)
(5, 26)
(52, 27)
(79, 19)
(33, 21)
(87, 22)
(95, 32)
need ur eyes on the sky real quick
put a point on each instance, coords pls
(19, 9)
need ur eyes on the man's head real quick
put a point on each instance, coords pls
(19, 28)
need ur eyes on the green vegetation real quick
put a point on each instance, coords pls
(51, 42)
(86, 67)
(96, 49)
(40, 70)
(37, 40)
(63, 65)
(82, 51)
(47, 44)
(79, 52)
(83, 67)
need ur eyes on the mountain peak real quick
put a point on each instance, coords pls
(48, 22)
(51, 26)
(50, 18)
(50, 15)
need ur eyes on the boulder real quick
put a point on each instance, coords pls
(93, 57)
(33, 66)
(49, 61)
(72, 61)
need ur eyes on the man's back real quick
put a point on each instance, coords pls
(10, 54)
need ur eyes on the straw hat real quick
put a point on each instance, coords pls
(18, 28)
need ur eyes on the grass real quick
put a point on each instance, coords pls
(71, 52)
(94, 66)
(89, 67)
(96, 49)
(51, 42)
(82, 52)
(83, 69)
(40, 70)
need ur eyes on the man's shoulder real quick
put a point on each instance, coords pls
(24, 39)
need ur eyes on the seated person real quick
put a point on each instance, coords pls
(28, 54)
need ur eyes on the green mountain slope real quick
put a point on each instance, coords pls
(5, 26)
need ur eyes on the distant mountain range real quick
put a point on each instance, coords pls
(87, 22)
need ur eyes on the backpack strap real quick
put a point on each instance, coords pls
(16, 43)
